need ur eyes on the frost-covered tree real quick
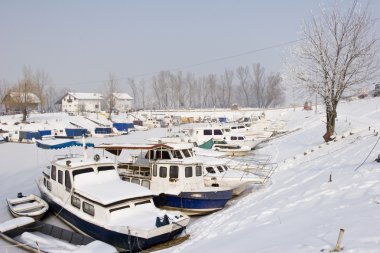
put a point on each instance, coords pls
(337, 51)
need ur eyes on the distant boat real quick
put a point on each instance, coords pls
(28, 206)
(37, 236)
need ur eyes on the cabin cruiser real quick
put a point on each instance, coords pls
(201, 135)
(218, 173)
(173, 174)
(88, 194)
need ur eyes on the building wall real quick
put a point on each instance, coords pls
(123, 105)
(72, 104)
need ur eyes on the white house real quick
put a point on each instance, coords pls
(123, 102)
(81, 102)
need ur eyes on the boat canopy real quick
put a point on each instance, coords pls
(59, 144)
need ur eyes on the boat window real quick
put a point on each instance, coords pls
(45, 181)
(186, 153)
(67, 180)
(198, 171)
(60, 176)
(162, 154)
(240, 127)
(240, 138)
(119, 208)
(207, 132)
(220, 168)
(188, 171)
(210, 170)
(218, 132)
(105, 168)
(173, 172)
(143, 202)
(149, 154)
(81, 171)
(163, 172)
(233, 138)
(145, 183)
(177, 154)
(135, 180)
(225, 167)
(234, 127)
(88, 208)
(75, 202)
(53, 172)
(155, 170)
(48, 185)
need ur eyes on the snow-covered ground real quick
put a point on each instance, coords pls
(299, 211)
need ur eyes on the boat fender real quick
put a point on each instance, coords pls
(161, 200)
(96, 158)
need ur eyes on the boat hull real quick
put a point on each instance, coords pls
(119, 240)
(194, 203)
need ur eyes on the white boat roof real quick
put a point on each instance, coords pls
(117, 148)
(106, 187)
(77, 162)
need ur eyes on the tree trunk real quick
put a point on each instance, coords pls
(24, 114)
(330, 124)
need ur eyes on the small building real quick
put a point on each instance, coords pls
(123, 102)
(76, 102)
(16, 101)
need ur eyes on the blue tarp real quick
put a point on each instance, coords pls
(103, 130)
(29, 135)
(123, 126)
(75, 132)
(44, 132)
(222, 119)
(59, 144)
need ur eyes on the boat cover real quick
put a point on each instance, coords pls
(59, 144)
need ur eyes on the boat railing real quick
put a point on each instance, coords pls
(60, 157)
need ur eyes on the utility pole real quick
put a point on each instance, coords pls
(316, 103)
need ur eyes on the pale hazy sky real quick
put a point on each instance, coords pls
(78, 43)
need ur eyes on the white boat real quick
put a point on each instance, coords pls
(174, 175)
(220, 174)
(36, 236)
(88, 194)
(223, 147)
(28, 206)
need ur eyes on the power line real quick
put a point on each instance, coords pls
(194, 64)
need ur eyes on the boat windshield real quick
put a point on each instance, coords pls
(210, 170)
(186, 153)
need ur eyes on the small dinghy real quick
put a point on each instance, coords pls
(36, 236)
(28, 206)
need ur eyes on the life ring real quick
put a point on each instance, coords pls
(155, 126)
(96, 157)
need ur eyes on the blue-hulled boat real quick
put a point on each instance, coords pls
(174, 175)
(88, 194)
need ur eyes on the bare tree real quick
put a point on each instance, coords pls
(111, 87)
(274, 93)
(23, 94)
(226, 83)
(338, 51)
(258, 84)
(134, 89)
(4, 89)
(41, 80)
(243, 74)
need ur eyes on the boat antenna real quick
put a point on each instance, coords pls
(84, 149)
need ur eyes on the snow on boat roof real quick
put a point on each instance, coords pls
(78, 162)
(117, 148)
(106, 187)
(59, 144)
